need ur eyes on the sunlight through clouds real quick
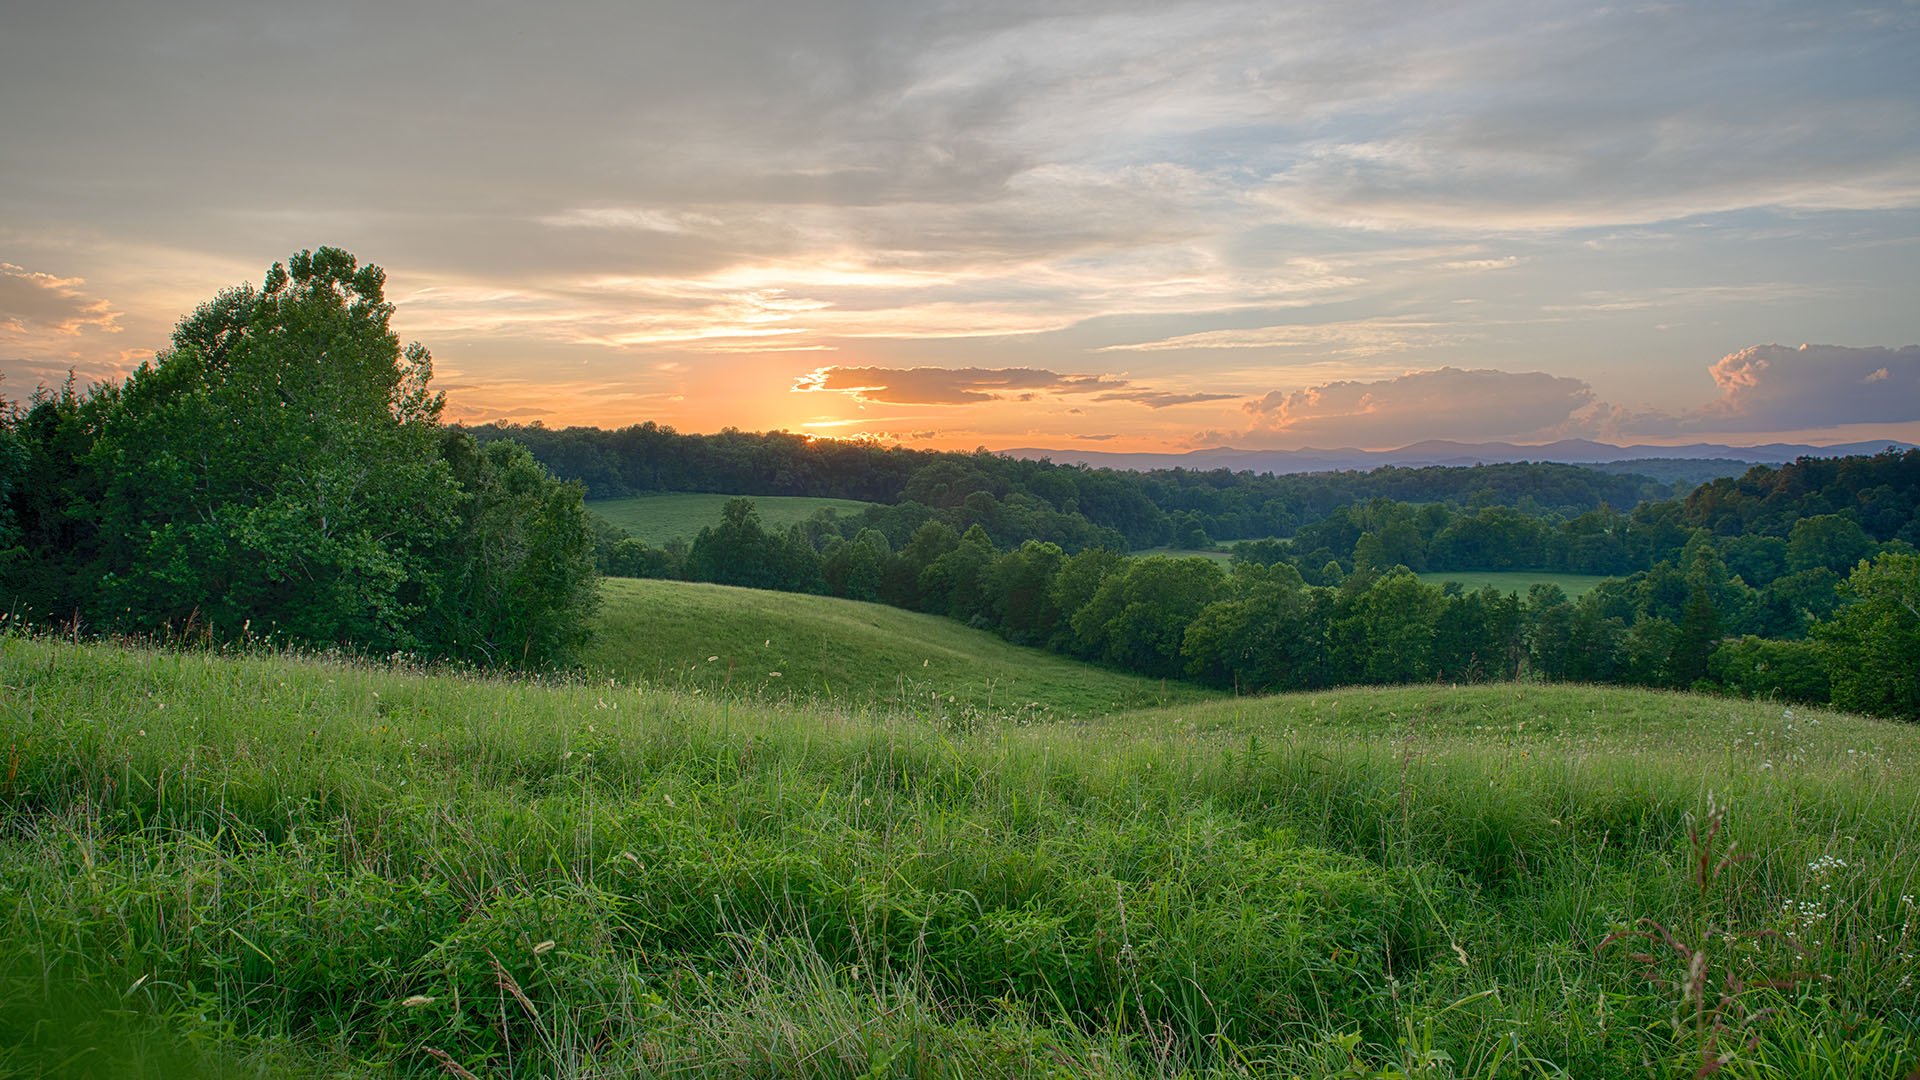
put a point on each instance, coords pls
(1236, 199)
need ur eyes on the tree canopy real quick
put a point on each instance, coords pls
(281, 470)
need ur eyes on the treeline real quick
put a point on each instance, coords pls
(1808, 522)
(280, 473)
(1178, 507)
(1260, 626)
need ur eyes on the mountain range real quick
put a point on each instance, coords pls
(1444, 452)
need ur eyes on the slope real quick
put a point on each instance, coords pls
(715, 638)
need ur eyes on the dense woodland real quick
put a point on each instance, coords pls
(1796, 582)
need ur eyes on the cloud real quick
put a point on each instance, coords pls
(1765, 388)
(1160, 399)
(948, 386)
(38, 306)
(1444, 403)
(977, 386)
(1774, 388)
(1353, 338)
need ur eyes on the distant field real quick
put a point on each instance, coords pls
(716, 638)
(657, 519)
(1221, 556)
(1515, 581)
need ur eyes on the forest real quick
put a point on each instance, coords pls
(1795, 582)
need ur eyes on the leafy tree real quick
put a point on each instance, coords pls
(1021, 586)
(1385, 632)
(517, 583)
(1138, 618)
(960, 577)
(1827, 540)
(13, 469)
(1647, 653)
(1080, 579)
(281, 469)
(1477, 636)
(1263, 636)
(1872, 642)
(740, 551)
(277, 468)
(1757, 667)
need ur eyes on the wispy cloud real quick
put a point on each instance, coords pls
(1360, 337)
(949, 386)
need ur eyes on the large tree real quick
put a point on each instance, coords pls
(281, 469)
(1873, 641)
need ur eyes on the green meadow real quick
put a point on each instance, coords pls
(1221, 556)
(1515, 581)
(277, 865)
(788, 646)
(657, 519)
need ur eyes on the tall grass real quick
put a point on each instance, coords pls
(283, 866)
(784, 647)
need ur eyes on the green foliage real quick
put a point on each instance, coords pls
(1786, 670)
(1873, 640)
(1137, 619)
(280, 472)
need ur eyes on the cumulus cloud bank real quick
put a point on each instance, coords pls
(1764, 388)
(1773, 387)
(1445, 403)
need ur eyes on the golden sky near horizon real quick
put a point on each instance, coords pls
(1107, 225)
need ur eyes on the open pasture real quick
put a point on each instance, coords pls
(285, 866)
(657, 519)
(789, 646)
(1514, 581)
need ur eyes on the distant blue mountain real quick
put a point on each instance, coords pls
(1443, 452)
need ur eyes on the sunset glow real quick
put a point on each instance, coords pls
(1123, 227)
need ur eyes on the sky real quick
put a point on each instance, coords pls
(1085, 224)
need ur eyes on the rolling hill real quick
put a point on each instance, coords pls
(716, 638)
(284, 866)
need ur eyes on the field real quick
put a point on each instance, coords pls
(1515, 581)
(284, 866)
(1219, 555)
(657, 519)
(715, 638)
(1512, 581)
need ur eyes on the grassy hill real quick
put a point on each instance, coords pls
(276, 866)
(716, 638)
(657, 519)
